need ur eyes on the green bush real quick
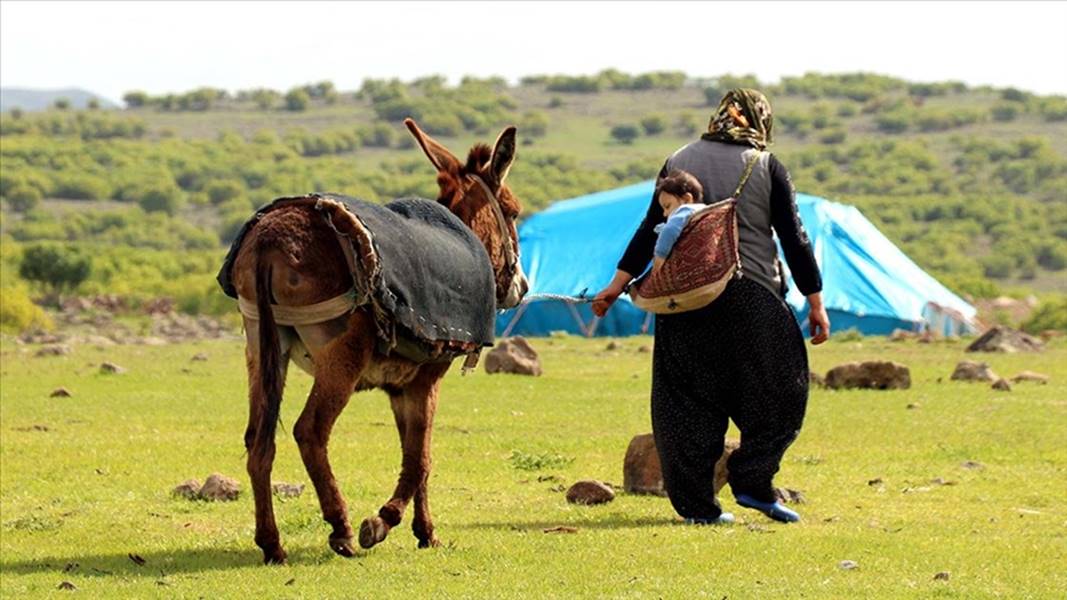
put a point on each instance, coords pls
(23, 199)
(135, 99)
(625, 134)
(297, 100)
(61, 268)
(1051, 314)
(18, 313)
(160, 198)
(221, 191)
(654, 124)
(1005, 111)
(77, 186)
(533, 124)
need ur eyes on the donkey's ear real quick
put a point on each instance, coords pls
(441, 158)
(503, 155)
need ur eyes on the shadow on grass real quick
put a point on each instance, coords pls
(155, 564)
(615, 521)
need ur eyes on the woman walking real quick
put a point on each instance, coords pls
(742, 357)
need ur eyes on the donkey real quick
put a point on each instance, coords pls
(293, 258)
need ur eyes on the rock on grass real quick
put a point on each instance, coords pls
(218, 487)
(590, 492)
(111, 368)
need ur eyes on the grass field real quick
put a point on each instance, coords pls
(85, 481)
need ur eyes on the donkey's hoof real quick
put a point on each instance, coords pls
(343, 546)
(274, 556)
(371, 531)
(433, 542)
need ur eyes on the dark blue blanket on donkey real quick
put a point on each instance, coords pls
(434, 282)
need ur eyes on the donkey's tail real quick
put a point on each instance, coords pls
(270, 374)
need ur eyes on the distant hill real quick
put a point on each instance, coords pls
(31, 99)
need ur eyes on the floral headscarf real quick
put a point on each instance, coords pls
(752, 106)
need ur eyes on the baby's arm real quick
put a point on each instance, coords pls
(669, 234)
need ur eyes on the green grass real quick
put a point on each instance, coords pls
(76, 499)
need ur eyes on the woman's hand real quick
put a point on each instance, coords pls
(607, 296)
(818, 320)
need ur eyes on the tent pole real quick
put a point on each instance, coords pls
(578, 319)
(647, 323)
(514, 320)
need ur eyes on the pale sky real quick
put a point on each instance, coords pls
(113, 47)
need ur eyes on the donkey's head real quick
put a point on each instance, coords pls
(476, 193)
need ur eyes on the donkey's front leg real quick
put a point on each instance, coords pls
(414, 410)
(338, 366)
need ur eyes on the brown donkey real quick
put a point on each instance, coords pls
(292, 258)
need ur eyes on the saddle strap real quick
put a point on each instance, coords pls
(745, 175)
(303, 315)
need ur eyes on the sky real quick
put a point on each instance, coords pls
(113, 47)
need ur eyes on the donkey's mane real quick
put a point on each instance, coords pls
(477, 159)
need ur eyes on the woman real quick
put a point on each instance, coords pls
(743, 356)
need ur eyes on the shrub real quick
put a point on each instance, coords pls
(297, 100)
(1005, 111)
(58, 267)
(833, 136)
(555, 102)
(61, 104)
(80, 187)
(625, 134)
(18, 313)
(653, 124)
(159, 198)
(23, 199)
(220, 191)
(1051, 314)
(897, 122)
(533, 124)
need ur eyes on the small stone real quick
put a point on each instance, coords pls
(973, 465)
(199, 357)
(1002, 385)
(188, 489)
(644, 349)
(111, 368)
(66, 585)
(875, 481)
(969, 370)
(53, 350)
(590, 492)
(221, 488)
(942, 576)
(287, 490)
(848, 565)
(872, 374)
(914, 405)
(60, 392)
(1031, 376)
(612, 345)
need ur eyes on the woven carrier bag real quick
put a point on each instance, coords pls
(703, 261)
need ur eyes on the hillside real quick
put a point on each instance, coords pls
(971, 182)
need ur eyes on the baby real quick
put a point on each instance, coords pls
(679, 194)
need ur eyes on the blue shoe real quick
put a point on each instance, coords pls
(774, 510)
(723, 519)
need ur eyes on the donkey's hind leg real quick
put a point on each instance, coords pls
(338, 365)
(261, 458)
(414, 410)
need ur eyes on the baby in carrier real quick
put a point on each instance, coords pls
(679, 195)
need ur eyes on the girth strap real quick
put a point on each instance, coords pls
(309, 314)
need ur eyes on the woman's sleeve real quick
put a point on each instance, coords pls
(786, 222)
(639, 251)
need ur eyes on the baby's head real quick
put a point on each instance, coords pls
(678, 188)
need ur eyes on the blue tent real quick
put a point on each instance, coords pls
(868, 283)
